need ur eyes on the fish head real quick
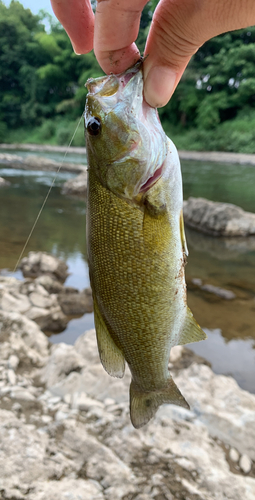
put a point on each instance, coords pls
(126, 144)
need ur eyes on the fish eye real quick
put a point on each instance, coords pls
(94, 125)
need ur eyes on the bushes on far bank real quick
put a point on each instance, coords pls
(237, 135)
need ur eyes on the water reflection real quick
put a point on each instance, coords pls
(228, 263)
(235, 358)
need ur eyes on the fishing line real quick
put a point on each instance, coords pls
(46, 198)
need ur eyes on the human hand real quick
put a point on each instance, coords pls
(178, 29)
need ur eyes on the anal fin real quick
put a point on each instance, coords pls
(191, 332)
(143, 405)
(111, 356)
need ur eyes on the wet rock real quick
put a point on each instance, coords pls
(215, 290)
(4, 182)
(41, 263)
(76, 186)
(74, 302)
(218, 219)
(51, 320)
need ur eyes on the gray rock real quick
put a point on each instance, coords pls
(218, 219)
(67, 488)
(21, 337)
(40, 300)
(76, 186)
(74, 302)
(11, 377)
(215, 290)
(52, 320)
(41, 263)
(63, 360)
(13, 362)
(245, 464)
(49, 284)
(84, 446)
(13, 301)
(218, 402)
(233, 455)
(21, 394)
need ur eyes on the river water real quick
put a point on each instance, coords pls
(227, 263)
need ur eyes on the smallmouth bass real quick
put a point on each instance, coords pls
(135, 241)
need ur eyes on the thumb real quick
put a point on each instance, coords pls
(170, 46)
(179, 28)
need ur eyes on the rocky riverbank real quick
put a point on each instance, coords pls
(217, 156)
(218, 219)
(34, 162)
(65, 430)
(42, 297)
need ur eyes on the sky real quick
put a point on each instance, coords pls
(34, 5)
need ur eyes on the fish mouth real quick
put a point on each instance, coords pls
(152, 179)
(109, 85)
(126, 76)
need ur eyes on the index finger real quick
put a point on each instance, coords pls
(116, 29)
(78, 20)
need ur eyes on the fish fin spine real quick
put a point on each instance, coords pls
(191, 331)
(143, 405)
(110, 355)
(183, 237)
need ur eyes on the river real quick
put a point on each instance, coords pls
(225, 263)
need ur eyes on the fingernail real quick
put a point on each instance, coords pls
(75, 50)
(159, 84)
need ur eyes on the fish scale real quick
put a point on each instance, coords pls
(121, 254)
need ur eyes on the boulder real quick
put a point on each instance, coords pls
(22, 338)
(76, 186)
(73, 302)
(49, 284)
(64, 359)
(33, 300)
(49, 320)
(42, 263)
(218, 219)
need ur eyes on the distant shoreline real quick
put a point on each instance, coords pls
(214, 156)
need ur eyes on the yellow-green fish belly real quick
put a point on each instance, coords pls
(137, 280)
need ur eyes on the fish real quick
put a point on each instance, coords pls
(136, 243)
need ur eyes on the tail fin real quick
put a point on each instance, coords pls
(143, 405)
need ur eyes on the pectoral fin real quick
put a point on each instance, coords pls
(143, 405)
(111, 356)
(191, 330)
(183, 237)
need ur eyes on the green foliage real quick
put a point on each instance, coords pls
(42, 85)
